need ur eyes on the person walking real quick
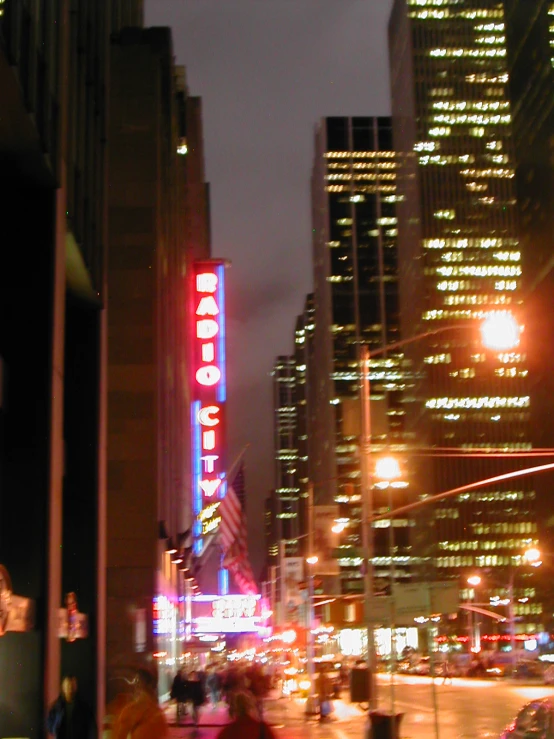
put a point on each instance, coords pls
(213, 685)
(325, 692)
(142, 718)
(246, 722)
(70, 717)
(179, 694)
(196, 695)
(446, 671)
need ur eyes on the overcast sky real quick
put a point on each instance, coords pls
(267, 70)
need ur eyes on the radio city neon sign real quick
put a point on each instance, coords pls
(209, 393)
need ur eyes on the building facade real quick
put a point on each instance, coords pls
(460, 257)
(151, 249)
(354, 195)
(530, 40)
(286, 451)
(53, 132)
(303, 390)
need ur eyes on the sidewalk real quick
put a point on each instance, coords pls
(278, 711)
(209, 716)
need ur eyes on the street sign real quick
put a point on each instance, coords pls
(379, 611)
(424, 599)
(419, 600)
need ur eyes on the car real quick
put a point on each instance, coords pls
(535, 720)
(548, 675)
(528, 669)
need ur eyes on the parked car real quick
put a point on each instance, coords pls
(548, 675)
(528, 669)
(536, 719)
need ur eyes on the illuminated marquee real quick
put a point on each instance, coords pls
(209, 396)
(226, 614)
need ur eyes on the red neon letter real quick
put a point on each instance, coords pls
(208, 375)
(206, 329)
(207, 307)
(206, 282)
(206, 415)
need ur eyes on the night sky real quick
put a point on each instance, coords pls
(267, 70)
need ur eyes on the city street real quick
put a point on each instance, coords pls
(467, 709)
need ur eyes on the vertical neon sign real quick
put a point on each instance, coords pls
(209, 395)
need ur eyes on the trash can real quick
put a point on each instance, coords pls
(385, 725)
(359, 685)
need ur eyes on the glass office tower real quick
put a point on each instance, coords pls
(355, 302)
(460, 256)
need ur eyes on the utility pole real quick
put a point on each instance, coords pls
(367, 528)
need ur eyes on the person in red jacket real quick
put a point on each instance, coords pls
(245, 723)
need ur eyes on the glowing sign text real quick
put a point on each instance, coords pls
(224, 614)
(208, 407)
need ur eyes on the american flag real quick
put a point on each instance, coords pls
(230, 510)
(232, 534)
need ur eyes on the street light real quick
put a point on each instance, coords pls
(387, 468)
(311, 708)
(500, 332)
(533, 557)
(474, 581)
(339, 526)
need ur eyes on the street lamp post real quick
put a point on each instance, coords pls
(532, 557)
(499, 331)
(474, 581)
(311, 708)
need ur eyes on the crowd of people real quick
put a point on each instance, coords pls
(190, 690)
(136, 713)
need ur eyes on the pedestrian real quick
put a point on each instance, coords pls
(196, 695)
(213, 685)
(325, 693)
(179, 694)
(246, 722)
(70, 717)
(258, 686)
(446, 671)
(142, 718)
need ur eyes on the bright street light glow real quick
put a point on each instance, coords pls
(339, 525)
(474, 580)
(500, 331)
(387, 468)
(533, 557)
(312, 560)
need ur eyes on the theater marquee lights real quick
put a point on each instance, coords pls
(229, 614)
(208, 397)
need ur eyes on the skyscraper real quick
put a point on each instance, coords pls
(303, 390)
(530, 39)
(354, 197)
(286, 452)
(460, 256)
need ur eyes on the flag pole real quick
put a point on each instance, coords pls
(223, 573)
(237, 461)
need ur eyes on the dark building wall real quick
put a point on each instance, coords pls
(126, 13)
(147, 396)
(197, 201)
(530, 35)
(322, 412)
(53, 67)
(25, 346)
